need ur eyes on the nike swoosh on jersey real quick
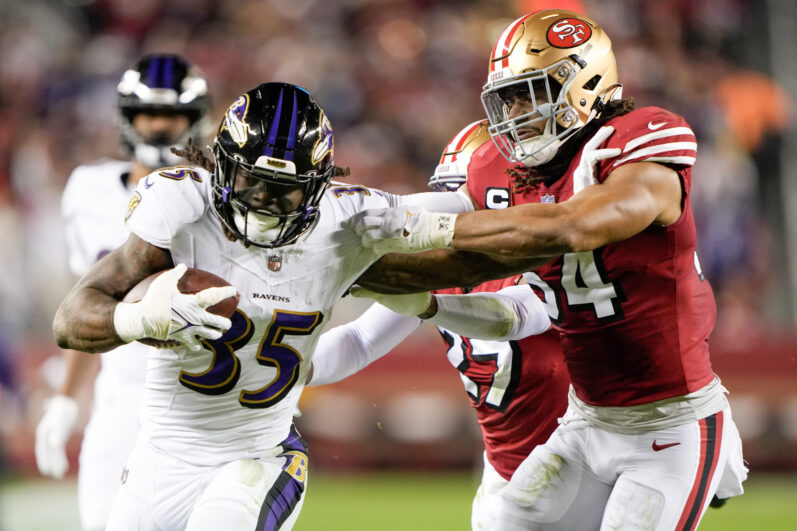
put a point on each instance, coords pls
(660, 447)
(653, 126)
(147, 182)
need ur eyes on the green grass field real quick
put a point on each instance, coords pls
(388, 502)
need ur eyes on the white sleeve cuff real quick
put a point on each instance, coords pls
(448, 202)
(347, 349)
(510, 314)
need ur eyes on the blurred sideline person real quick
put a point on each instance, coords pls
(217, 447)
(600, 206)
(515, 377)
(163, 102)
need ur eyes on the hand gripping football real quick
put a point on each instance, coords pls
(192, 281)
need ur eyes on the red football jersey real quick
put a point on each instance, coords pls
(635, 315)
(518, 388)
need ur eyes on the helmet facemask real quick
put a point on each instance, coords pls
(265, 204)
(551, 115)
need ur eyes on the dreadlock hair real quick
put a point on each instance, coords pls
(199, 157)
(525, 178)
(195, 156)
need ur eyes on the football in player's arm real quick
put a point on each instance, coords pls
(163, 102)
(217, 438)
(599, 206)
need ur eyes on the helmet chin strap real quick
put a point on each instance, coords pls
(259, 228)
(541, 148)
(539, 155)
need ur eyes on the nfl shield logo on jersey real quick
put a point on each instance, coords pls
(125, 472)
(548, 198)
(275, 263)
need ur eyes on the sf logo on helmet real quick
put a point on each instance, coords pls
(235, 120)
(568, 33)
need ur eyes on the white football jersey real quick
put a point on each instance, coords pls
(93, 206)
(236, 397)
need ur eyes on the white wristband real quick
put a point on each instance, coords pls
(441, 232)
(127, 322)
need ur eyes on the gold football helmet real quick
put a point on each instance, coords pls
(563, 62)
(452, 171)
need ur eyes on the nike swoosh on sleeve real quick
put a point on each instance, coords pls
(653, 126)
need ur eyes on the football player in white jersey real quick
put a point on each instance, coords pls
(163, 102)
(217, 447)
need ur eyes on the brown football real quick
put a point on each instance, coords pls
(192, 281)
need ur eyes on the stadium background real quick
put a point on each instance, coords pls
(398, 79)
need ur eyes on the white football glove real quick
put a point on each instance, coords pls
(52, 433)
(166, 314)
(407, 229)
(584, 176)
(411, 304)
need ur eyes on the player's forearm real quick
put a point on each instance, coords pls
(80, 368)
(84, 321)
(518, 232)
(438, 269)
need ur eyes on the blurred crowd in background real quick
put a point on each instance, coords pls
(397, 78)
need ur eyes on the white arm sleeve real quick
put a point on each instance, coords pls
(511, 313)
(447, 202)
(348, 348)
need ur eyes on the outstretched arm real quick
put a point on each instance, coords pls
(349, 348)
(511, 313)
(439, 269)
(631, 198)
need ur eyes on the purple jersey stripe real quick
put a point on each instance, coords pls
(282, 505)
(279, 502)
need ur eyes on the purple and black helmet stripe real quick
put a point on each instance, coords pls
(160, 73)
(287, 151)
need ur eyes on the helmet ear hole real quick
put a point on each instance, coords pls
(592, 82)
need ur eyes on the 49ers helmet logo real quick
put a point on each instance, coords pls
(568, 33)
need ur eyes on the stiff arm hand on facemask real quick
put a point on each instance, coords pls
(166, 314)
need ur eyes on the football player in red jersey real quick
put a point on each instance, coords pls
(600, 206)
(515, 379)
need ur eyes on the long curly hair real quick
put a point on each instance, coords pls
(525, 178)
